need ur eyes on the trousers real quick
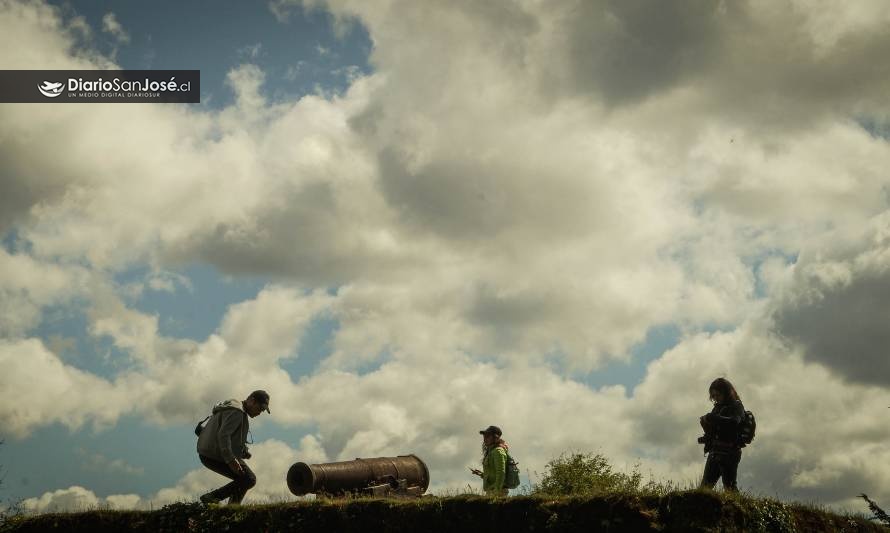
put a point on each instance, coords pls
(238, 487)
(722, 464)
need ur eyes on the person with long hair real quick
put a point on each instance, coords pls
(721, 438)
(494, 462)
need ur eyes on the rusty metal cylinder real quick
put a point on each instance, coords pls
(350, 476)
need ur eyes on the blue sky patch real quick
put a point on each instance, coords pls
(300, 56)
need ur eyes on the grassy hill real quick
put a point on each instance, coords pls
(693, 510)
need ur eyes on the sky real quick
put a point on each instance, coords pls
(410, 220)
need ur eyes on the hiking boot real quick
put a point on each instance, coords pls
(209, 498)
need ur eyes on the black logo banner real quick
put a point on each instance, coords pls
(86, 86)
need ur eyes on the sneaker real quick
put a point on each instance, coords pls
(209, 498)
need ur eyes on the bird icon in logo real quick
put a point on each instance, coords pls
(51, 89)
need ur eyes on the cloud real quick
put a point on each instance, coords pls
(625, 52)
(74, 498)
(834, 302)
(53, 48)
(250, 51)
(310, 192)
(804, 178)
(57, 393)
(111, 26)
(123, 501)
(166, 281)
(28, 285)
(164, 379)
(97, 461)
(280, 10)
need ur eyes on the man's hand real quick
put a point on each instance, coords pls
(236, 467)
(475, 471)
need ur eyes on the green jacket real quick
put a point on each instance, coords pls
(494, 468)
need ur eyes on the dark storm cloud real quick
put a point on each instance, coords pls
(626, 50)
(837, 303)
(845, 327)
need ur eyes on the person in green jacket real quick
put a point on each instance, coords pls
(494, 462)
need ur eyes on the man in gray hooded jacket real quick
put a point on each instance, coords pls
(222, 445)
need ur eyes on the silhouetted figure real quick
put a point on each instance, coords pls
(222, 445)
(721, 438)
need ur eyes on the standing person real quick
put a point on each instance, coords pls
(721, 438)
(222, 445)
(494, 462)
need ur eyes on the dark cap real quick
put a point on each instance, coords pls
(262, 398)
(491, 429)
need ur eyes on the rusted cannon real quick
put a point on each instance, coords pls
(405, 475)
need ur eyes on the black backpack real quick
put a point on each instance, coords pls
(203, 423)
(511, 476)
(747, 428)
(200, 427)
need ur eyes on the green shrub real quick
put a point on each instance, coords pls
(576, 474)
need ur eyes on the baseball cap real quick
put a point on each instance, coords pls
(491, 429)
(262, 398)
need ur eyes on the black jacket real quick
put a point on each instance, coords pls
(722, 423)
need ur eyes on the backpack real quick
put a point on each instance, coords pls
(200, 427)
(747, 429)
(511, 477)
(203, 423)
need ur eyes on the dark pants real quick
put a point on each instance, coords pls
(240, 484)
(723, 464)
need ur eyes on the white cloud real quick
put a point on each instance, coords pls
(269, 327)
(74, 498)
(111, 26)
(28, 285)
(56, 392)
(123, 501)
(167, 281)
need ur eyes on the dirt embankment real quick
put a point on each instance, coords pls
(682, 511)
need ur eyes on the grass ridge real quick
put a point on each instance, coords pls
(690, 510)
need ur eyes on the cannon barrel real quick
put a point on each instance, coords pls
(350, 476)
